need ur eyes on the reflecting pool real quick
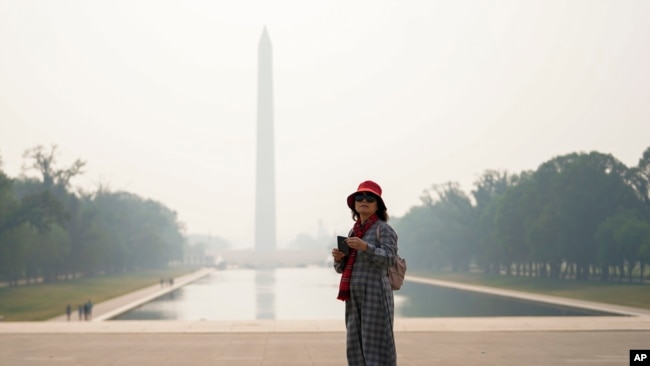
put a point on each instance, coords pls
(310, 293)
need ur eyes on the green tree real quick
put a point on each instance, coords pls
(489, 190)
(46, 163)
(609, 253)
(418, 239)
(582, 191)
(60, 235)
(510, 227)
(20, 214)
(632, 237)
(457, 221)
(143, 233)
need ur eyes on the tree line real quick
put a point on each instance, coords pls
(51, 233)
(577, 216)
(580, 215)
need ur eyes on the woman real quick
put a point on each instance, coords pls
(365, 288)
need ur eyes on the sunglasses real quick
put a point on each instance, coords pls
(365, 196)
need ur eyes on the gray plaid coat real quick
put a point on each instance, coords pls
(369, 312)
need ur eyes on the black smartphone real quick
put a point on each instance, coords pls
(343, 246)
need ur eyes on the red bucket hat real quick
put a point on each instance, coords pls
(367, 186)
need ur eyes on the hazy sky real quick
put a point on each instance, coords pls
(159, 97)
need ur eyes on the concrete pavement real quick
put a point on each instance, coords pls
(319, 348)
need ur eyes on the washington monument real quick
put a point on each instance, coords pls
(265, 170)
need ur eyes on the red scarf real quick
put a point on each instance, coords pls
(358, 231)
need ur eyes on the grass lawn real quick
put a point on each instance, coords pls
(45, 301)
(626, 294)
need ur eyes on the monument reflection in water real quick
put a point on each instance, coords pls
(265, 294)
(310, 293)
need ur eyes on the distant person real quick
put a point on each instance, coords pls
(171, 282)
(80, 310)
(364, 286)
(89, 310)
(68, 311)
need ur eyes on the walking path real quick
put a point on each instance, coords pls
(503, 341)
(109, 309)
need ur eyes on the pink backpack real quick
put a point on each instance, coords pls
(397, 271)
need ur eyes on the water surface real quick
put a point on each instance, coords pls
(310, 293)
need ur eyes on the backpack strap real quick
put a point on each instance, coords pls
(378, 232)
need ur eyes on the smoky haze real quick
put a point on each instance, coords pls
(159, 98)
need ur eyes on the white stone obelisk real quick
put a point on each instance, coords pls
(265, 237)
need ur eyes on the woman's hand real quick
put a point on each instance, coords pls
(357, 243)
(337, 254)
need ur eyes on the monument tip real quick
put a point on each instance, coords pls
(265, 38)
